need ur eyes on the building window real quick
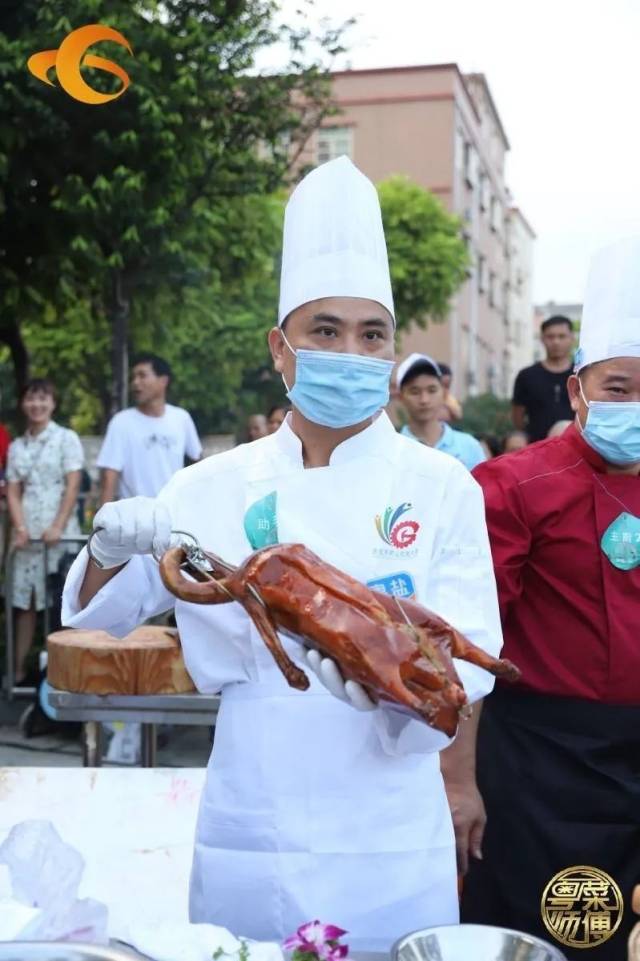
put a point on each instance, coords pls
(494, 291)
(485, 192)
(281, 147)
(496, 215)
(458, 149)
(470, 165)
(466, 237)
(483, 272)
(517, 331)
(492, 377)
(334, 142)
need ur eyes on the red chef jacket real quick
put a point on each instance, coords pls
(571, 619)
(5, 440)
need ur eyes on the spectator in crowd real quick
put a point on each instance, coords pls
(257, 426)
(559, 752)
(559, 428)
(145, 445)
(514, 440)
(276, 417)
(43, 477)
(143, 448)
(451, 409)
(419, 381)
(5, 440)
(490, 444)
(540, 395)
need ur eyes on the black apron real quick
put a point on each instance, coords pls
(560, 778)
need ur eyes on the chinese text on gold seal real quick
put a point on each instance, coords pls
(582, 906)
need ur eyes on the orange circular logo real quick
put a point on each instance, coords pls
(71, 55)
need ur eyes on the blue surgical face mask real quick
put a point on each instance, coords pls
(338, 390)
(613, 429)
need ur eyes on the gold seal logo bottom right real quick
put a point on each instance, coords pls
(582, 906)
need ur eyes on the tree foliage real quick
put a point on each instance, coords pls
(427, 256)
(154, 222)
(486, 414)
(149, 221)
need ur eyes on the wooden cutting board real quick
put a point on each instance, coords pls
(147, 661)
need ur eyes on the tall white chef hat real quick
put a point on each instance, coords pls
(610, 324)
(333, 243)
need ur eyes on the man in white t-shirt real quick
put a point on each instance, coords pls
(145, 445)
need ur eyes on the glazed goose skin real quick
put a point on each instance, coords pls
(397, 649)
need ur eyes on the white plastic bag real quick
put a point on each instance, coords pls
(45, 875)
(14, 916)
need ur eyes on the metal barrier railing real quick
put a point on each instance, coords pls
(11, 690)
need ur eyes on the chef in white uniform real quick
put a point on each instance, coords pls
(314, 809)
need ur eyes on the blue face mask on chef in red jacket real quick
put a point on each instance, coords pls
(612, 428)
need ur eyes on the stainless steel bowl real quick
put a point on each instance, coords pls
(472, 942)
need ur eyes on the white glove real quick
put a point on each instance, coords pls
(137, 525)
(329, 675)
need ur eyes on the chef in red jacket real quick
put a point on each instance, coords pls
(558, 756)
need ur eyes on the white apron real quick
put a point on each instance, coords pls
(304, 815)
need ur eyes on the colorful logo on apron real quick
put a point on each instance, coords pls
(621, 542)
(260, 523)
(393, 531)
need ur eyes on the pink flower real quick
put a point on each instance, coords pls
(320, 940)
(332, 952)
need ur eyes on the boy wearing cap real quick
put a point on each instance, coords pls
(559, 754)
(312, 809)
(419, 380)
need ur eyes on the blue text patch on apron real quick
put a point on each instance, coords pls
(260, 524)
(398, 585)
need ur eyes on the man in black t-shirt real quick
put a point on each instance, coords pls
(540, 392)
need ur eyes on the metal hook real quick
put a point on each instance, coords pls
(192, 548)
(198, 560)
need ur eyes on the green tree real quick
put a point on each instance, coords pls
(119, 211)
(427, 256)
(486, 414)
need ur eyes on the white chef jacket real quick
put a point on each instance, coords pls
(312, 809)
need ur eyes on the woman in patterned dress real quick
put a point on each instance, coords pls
(43, 478)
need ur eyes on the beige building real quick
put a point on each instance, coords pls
(520, 338)
(442, 130)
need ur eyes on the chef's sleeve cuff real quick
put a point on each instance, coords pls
(132, 596)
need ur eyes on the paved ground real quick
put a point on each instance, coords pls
(186, 747)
